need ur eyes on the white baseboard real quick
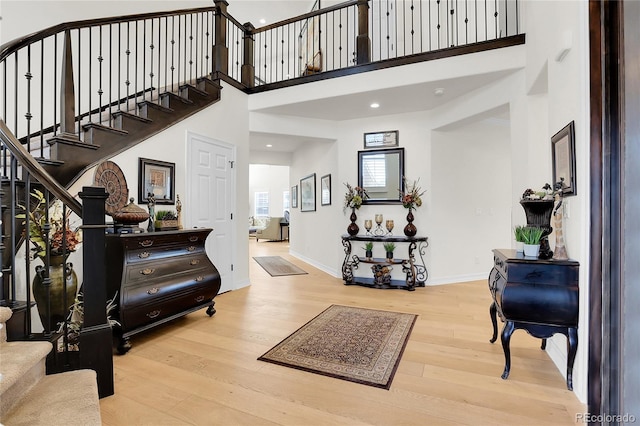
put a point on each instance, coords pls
(453, 279)
(331, 271)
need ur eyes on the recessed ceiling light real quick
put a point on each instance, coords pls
(375, 105)
(262, 21)
(269, 145)
(439, 91)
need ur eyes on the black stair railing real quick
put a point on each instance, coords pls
(59, 80)
(27, 236)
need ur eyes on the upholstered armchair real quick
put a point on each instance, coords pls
(272, 231)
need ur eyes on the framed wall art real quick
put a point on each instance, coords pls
(157, 178)
(563, 154)
(294, 196)
(381, 139)
(308, 193)
(325, 190)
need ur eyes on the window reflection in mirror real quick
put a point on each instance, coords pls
(380, 173)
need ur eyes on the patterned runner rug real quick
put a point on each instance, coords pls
(355, 344)
(277, 266)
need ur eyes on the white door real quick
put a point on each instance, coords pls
(211, 189)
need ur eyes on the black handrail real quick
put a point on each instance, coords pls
(308, 15)
(10, 47)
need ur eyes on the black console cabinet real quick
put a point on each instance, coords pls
(539, 296)
(159, 276)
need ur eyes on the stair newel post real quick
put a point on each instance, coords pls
(67, 93)
(363, 42)
(96, 352)
(248, 67)
(220, 49)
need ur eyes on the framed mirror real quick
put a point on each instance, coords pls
(380, 173)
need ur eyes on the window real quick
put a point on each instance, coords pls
(374, 173)
(285, 200)
(261, 204)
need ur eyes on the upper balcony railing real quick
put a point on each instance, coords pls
(358, 32)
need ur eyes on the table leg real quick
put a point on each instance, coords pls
(507, 331)
(571, 355)
(493, 309)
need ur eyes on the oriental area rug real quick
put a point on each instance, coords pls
(276, 266)
(355, 344)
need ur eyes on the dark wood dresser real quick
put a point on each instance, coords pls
(539, 296)
(158, 276)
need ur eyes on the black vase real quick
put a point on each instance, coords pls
(55, 298)
(410, 229)
(353, 228)
(538, 213)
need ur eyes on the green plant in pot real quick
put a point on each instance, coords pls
(389, 248)
(166, 220)
(518, 231)
(531, 236)
(368, 249)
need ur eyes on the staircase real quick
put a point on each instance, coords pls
(122, 129)
(28, 397)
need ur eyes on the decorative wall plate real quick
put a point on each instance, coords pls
(110, 176)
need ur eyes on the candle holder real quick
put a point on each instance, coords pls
(367, 225)
(389, 225)
(379, 232)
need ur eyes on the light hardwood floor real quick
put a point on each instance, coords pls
(204, 371)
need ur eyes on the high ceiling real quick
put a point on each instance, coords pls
(396, 100)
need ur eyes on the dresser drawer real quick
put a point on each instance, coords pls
(150, 270)
(540, 304)
(155, 311)
(168, 287)
(546, 273)
(161, 253)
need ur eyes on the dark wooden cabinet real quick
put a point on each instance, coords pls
(158, 276)
(416, 273)
(539, 296)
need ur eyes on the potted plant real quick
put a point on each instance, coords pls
(518, 230)
(53, 239)
(166, 220)
(368, 249)
(411, 199)
(531, 236)
(389, 248)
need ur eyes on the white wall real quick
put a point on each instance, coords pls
(271, 179)
(471, 171)
(548, 25)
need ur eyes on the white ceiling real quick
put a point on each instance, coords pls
(396, 100)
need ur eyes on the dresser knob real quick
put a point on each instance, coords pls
(153, 290)
(194, 261)
(199, 278)
(193, 239)
(153, 314)
(147, 271)
(199, 298)
(144, 255)
(191, 248)
(146, 243)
